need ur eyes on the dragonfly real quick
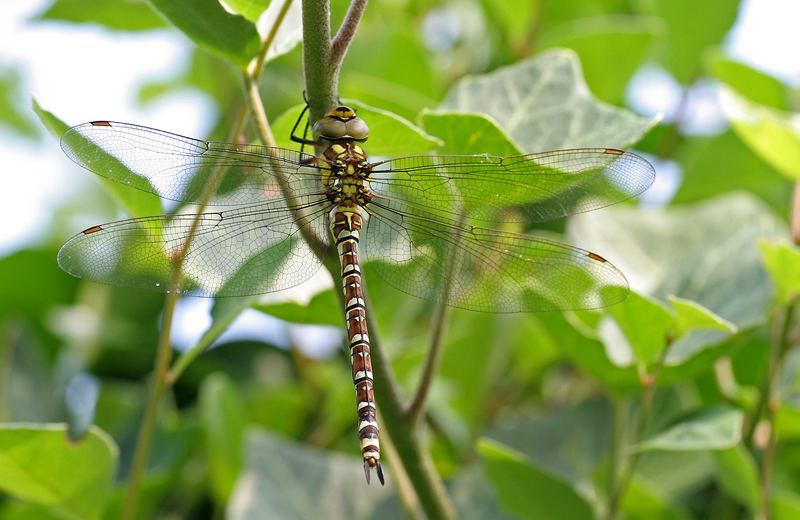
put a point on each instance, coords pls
(427, 225)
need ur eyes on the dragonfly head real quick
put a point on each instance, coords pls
(341, 122)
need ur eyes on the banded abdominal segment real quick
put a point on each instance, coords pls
(346, 228)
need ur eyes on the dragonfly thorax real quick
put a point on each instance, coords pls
(348, 181)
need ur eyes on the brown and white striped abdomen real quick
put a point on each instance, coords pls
(346, 229)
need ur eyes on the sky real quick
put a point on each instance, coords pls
(60, 67)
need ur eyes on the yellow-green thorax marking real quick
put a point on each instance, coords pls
(346, 185)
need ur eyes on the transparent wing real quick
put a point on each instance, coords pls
(533, 188)
(242, 251)
(178, 168)
(489, 270)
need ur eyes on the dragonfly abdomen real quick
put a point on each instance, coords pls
(346, 229)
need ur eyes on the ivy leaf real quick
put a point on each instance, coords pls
(543, 103)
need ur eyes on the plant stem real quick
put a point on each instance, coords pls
(158, 385)
(321, 76)
(617, 491)
(781, 327)
(794, 218)
(417, 463)
(261, 59)
(345, 34)
(438, 325)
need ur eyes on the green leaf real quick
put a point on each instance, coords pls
(724, 163)
(212, 27)
(468, 134)
(39, 464)
(737, 475)
(283, 479)
(251, 9)
(525, 490)
(691, 315)
(645, 324)
(135, 202)
(222, 413)
(645, 501)
(693, 26)
(10, 115)
(753, 84)
(290, 31)
(642, 245)
(323, 309)
(782, 261)
(11, 510)
(770, 133)
(786, 505)
(713, 428)
(127, 15)
(610, 49)
(546, 105)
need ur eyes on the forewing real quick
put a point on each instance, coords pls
(243, 251)
(180, 168)
(528, 188)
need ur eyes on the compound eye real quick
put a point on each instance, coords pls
(357, 128)
(330, 128)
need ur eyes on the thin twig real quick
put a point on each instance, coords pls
(781, 326)
(159, 384)
(645, 407)
(162, 377)
(438, 326)
(346, 32)
(794, 218)
(261, 59)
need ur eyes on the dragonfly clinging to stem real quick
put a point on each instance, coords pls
(425, 223)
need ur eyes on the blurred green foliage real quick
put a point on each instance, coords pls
(531, 415)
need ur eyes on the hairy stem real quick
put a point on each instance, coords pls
(346, 32)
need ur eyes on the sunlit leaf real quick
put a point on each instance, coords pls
(546, 105)
(38, 463)
(290, 31)
(468, 134)
(715, 428)
(643, 246)
(645, 325)
(136, 202)
(691, 315)
(724, 163)
(772, 134)
(782, 261)
(10, 114)
(126, 15)
(753, 84)
(209, 25)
